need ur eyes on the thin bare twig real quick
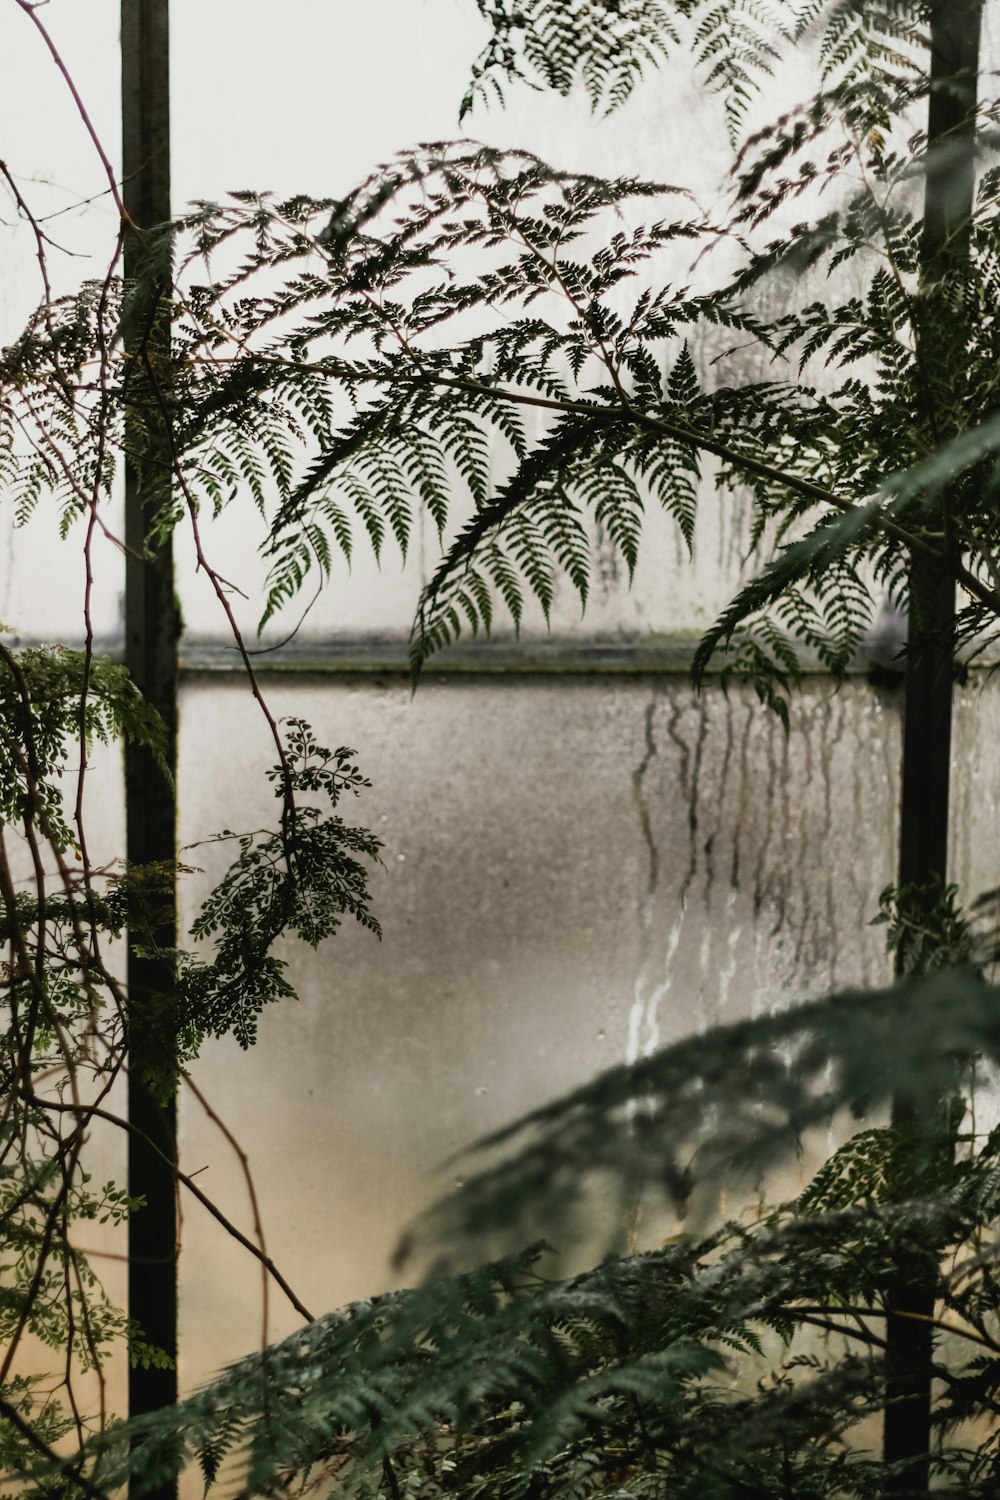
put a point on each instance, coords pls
(93, 1112)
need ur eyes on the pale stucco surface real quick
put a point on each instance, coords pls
(575, 871)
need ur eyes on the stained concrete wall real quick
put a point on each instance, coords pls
(576, 871)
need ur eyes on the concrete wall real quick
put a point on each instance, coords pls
(576, 870)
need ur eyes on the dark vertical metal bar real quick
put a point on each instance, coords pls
(912, 1292)
(927, 716)
(151, 629)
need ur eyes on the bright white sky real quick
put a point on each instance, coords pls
(308, 97)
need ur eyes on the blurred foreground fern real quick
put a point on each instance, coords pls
(741, 1358)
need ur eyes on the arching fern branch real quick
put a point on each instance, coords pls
(624, 1380)
(465, 328)
(607, 47)
(508, 350)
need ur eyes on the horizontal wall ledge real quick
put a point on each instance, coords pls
(365, 654)
(664, 655)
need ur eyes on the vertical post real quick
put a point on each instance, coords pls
(930, 669)
(151, 629)
(912, 1291)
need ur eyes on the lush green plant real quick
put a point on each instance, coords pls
(66, 1012)
(847, 451)
(694, 1368)
(345, 363)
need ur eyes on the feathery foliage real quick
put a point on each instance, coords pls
(648, 1374)
(456, 340)
(609, 46)
(64, 1039)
